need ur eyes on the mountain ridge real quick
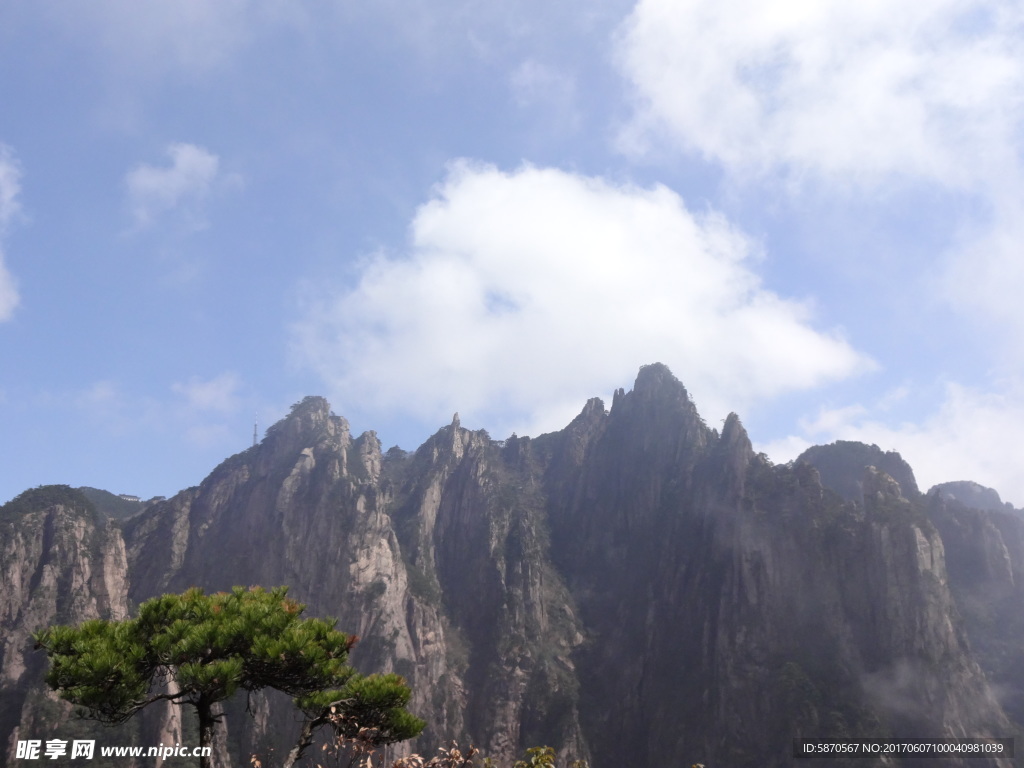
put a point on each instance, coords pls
(636, 588)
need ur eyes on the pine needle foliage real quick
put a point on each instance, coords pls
(200, 649)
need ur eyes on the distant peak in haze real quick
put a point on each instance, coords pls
(841, 466)
(972, 494)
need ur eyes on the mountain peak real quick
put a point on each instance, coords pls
(655, 388)
(309, 420)
(656, 379)
(311, 406)
(734, 432)
(841, 465)
(972, 494)
(514, 586)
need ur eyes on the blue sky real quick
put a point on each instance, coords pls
(810, 211)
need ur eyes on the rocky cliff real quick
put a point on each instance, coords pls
(63, 562)
(983, 541)
(985, 560)
(636, 589)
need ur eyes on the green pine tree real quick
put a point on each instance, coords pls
(199, 649)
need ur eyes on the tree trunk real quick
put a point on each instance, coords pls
(305, 739)
(206, 722)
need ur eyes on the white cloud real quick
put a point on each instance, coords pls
(183, 185)
(219, 394)
(851, 97)
(10, 186)
(852, 91)
(972, 435)
(869, 100)
(525, 293)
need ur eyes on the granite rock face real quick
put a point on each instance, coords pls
(63, 563)
(636, 589)
(985, 560)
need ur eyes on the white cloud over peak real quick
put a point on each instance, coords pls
(928, 91)
(971, 435)
(183, 185)
(921, 103)
(524, 293)
(10, 187)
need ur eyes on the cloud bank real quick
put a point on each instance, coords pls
(524, 293)
(860, 98)
(861, 91)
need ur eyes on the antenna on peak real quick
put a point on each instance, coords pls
(255, 429)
